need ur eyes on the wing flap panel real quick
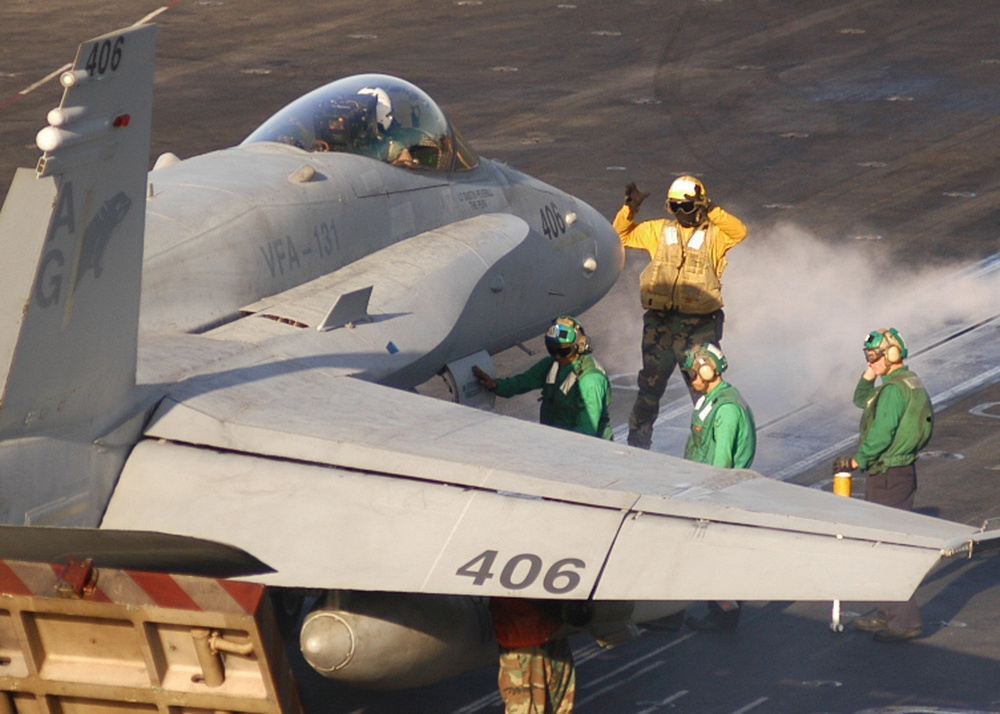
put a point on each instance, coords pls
(682, 559)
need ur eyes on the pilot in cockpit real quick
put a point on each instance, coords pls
(362, 124)
(378, 117)
(387, 145)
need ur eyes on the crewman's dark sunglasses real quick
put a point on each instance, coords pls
(681, 206)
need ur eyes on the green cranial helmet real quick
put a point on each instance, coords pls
(888, 342)
(706, 361)
(565, 337)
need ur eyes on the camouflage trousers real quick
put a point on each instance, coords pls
(667, 335)
(538, 680)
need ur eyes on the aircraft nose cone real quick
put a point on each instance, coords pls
(326, 641)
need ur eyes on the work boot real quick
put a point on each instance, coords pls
(640, 441)
(888, 635)
(872, 623)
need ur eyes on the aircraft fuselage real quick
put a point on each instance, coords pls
(229, 228)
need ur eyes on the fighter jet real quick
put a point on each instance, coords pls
(207, 368)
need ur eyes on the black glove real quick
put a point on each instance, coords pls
(634, 197)
(842, 464)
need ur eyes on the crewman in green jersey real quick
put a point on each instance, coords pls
(576, 393)
(897, 422)
(723, 434)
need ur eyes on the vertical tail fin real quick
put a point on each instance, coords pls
(71, 244)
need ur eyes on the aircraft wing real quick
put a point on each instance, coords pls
(339, 483)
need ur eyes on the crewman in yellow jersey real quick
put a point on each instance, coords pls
(681, 288)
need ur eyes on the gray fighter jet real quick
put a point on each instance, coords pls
(205, 368)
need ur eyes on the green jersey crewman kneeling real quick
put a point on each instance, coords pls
(576, 393)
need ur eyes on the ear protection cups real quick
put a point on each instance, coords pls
(896, 351)
(706, 370)
(888, 342)
(707, 361)
(582, 340)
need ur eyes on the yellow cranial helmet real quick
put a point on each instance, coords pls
(687, 188)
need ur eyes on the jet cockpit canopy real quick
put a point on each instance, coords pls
(373, 115)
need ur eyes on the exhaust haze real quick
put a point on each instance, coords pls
(797, 312)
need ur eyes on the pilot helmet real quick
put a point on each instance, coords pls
(566, 337)
(705, 361)
(383, 107)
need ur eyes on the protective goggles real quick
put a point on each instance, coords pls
(874, 341)
(874, 346)
(680, 206)
(561, 334)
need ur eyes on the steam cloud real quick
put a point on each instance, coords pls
(797, 312)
